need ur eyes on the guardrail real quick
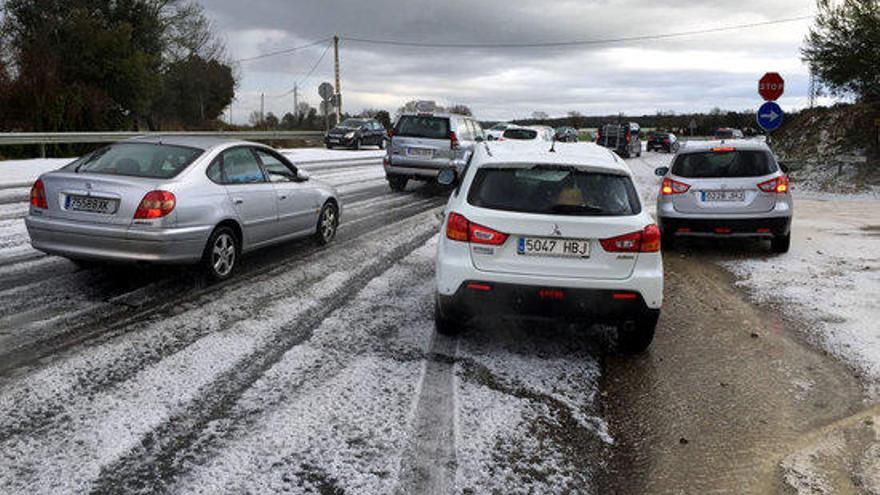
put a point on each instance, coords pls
(44, 138)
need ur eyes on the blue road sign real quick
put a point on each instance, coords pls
(769, 116)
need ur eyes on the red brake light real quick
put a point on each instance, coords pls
(391, 132)
(643, 241)
(38, 195)
(155, 204)
(723, 149)
(777, 185)
(453, 140)
(673, 187)
(458, 228)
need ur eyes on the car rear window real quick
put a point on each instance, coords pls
(743, 163)
(160, 161)
(555, 191)
(524, 134)
(422, 127)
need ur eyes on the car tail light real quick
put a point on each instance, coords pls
(156, 204)
(624, 295)
(38, 195)
(627, 136)
(723, 149)
(390, 133)
(643, 241)
(458, 228)
(453, 140)
(777, 185)
(723, 230)
(665, 141)
(670, 186)
(386, 161)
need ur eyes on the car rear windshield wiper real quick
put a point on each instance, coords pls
(575, 209)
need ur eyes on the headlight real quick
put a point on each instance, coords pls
(349, 135)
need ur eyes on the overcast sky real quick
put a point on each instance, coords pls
(692, 73)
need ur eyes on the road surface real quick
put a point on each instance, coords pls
(317, 370)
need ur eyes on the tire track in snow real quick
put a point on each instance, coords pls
(115, 314)
(152, 460)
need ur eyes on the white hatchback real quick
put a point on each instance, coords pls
(562, 234)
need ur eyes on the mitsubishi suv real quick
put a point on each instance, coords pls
(424, 143)
(541, 234)
(725, 189)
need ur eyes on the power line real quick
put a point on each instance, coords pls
(552, 44)
(281, 52)
(309, 74)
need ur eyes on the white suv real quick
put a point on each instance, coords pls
(550, 234)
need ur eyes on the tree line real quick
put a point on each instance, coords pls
(95, 65)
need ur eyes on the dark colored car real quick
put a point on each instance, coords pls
(665, 141)
(623, 139)
(566, 134)
(354, 133)
(727, 133)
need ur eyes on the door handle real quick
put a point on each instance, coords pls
(283, 196)
(238, 201)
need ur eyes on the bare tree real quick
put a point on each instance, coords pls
(540, 115)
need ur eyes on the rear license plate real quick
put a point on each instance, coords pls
(90, 204)
(723, 195)
(420, 152)
(545, 246)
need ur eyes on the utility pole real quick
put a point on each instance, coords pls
(338, 82)
(262, 108)
(295, 103)
(813, 89)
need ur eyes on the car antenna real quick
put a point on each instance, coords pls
(488, 151)
(553, 146)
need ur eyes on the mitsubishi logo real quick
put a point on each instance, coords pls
(556, 231)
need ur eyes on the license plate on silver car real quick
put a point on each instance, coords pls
(548, 246)
(723, 195)
(90, 204)
(420, 152)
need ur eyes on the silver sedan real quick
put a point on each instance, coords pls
(178, 200)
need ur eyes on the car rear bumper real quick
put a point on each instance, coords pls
(478, 298)
(117, 243)
(338, 141)
(416, 170)
(735, 227)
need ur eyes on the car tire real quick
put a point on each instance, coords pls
(443, 324)
(780, 244)
(397, 182)
(382, 144)
(221, 254)
(328, 224)
(357, 145)
(635, 336)
(329, 146)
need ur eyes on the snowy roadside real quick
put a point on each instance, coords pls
(830, 278)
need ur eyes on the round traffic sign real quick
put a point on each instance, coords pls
(325, 90)
(771, 86)
(769, 116)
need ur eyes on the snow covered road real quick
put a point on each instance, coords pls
(313, 370)
(317, 370)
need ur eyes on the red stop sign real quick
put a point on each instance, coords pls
(771, 86)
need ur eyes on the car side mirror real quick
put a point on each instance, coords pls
(302, 175)
(446, 177)
(661, 171)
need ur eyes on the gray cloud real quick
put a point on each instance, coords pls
(690, 73)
